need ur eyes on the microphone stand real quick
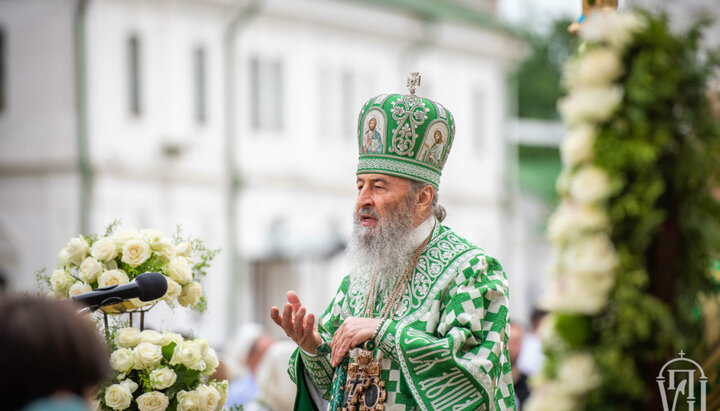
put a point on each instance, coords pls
(109, 301)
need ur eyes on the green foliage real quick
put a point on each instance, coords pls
(151, 265)
(110, 229)
(201, 306)
(574, 329)
(168, 350)
(205, 256)
(662, 149)
(42, 280)
(539, 77)
(539, 167)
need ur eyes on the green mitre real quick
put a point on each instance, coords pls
(405, 135)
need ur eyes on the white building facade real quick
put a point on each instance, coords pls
(237, 120)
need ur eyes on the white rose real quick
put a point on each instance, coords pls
(211, 361)
(222, 388)
(204, 346)
(170, 337)
(184, 248)
(578, 145)
(589, 185)
(190, 294)
(616, 29)
(104, 249)
(118, 397)
(77, 249)
(165, 249)
(571, 220)
(135, 252)
(78, 288)
(550, 397)
(586, 294)
(113, 277)
(90, 269)
(562, 184)
(129, 384)
(590, 104)
(590, 254)
(147, 355)
(180, 270)
(596, 67)
(122, 237)
(187, 401)
(162, 378)
(578, 373)
(127, 337)
(152, 337)
(60, 282)
(122, 359)
(152, 237)
(189, 354)
(208, 397)
(152, 401)
(173, 291)
(63, 258)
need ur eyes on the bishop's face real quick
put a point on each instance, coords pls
(378, 196)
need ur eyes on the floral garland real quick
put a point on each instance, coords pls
(157, 371)
(90, 262)
(636, 212)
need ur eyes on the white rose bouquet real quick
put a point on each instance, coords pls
(116, 258)
(157, 371)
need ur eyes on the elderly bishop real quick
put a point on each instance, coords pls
(421, 321)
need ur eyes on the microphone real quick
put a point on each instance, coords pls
(146, 287)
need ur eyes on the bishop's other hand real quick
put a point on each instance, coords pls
(297, 323)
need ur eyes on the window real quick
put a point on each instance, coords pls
(134, 80)
(3, 70)
(200, 85)
(266, 94)
(478, 119)
(348, 106)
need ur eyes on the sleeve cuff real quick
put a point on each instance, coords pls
(318, 369)
(385, 340)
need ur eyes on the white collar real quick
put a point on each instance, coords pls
(421, 232)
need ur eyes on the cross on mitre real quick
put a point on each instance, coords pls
(413, 82)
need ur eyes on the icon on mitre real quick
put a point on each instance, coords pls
(590, 7)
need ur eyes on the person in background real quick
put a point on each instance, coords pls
(3, 283)
(258, 365)
(50, 357)
(515, 346)
(531, 357)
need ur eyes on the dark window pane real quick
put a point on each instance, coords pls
(255, 93)
(134, 75)
(200, 85)
(3, 70)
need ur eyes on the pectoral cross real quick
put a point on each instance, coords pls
(364, 389)
(413, 82)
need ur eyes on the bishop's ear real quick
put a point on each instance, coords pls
(425, 197)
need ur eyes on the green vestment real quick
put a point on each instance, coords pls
(446, 346)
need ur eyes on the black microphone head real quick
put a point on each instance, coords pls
(151, 285)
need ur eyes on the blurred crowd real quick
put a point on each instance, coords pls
(526, 355)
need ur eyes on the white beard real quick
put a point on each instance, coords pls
(387, 247)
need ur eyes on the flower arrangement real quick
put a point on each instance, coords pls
(116, 258)
(157, 371)
(637, 227)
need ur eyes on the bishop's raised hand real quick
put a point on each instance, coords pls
(297, 323)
